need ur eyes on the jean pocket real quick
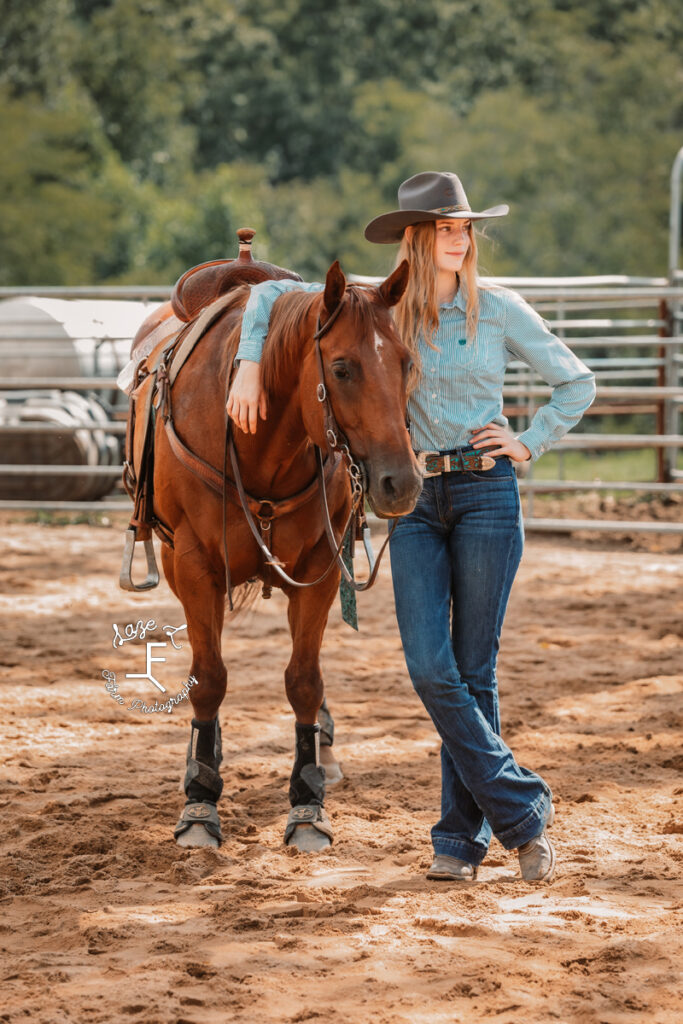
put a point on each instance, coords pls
(502, 472)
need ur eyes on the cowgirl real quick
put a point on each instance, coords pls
(454, 558)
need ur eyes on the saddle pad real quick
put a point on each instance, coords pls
(163, 332)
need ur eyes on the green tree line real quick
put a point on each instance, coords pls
(140, 134)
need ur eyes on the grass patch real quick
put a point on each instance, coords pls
(53, 517)
(606, 466)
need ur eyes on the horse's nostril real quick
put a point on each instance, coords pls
(387, 484)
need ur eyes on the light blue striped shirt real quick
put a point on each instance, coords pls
(461, 385)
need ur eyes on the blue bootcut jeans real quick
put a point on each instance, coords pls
(453, 561)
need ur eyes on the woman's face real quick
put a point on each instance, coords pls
(451, 244)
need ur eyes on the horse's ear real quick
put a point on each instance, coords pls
(335, 286)
(393, 288)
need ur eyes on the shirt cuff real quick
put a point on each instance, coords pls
(534, 442)
(250, 350)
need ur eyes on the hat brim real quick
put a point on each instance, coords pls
(389, 227)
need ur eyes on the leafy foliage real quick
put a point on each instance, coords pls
(142, 133)
(53, 225)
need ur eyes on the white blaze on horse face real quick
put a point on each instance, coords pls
(379, 345)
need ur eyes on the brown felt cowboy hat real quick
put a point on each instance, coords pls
(432, 195)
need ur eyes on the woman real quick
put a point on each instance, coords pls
(454, 558)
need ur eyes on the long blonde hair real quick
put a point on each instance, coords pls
(417, 313)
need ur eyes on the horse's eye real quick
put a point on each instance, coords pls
(340, 371)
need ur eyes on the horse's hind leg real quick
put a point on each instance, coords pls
(333, 772)
(192, 580)
(308, 827)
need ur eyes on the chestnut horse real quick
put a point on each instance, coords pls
(365, 366)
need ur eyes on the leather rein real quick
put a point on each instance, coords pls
(338, 448)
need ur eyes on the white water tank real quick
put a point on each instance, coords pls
(56, 338)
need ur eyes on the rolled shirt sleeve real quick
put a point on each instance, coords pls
(256, 316)
(527, 337)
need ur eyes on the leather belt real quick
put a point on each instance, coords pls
(434, 463)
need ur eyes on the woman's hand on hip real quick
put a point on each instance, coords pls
(247, 399)
(503, 441)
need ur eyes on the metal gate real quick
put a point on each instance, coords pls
(628, 329)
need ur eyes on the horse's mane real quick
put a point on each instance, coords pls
(287, 323)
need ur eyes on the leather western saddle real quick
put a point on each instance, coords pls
(199, 297)
(201, 285)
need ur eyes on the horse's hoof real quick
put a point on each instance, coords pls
(308, 828)
(197, 836)
(307, 839)
(199, 825)
(333, 772)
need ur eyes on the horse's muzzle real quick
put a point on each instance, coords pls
(392, 488)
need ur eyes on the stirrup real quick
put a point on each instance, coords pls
(125, 577)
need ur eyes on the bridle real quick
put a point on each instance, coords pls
(338, 448)
(337, 441)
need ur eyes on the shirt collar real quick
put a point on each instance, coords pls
(459, 300)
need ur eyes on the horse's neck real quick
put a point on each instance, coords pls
(279, 459)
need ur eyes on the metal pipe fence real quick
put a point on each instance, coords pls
(629, 330)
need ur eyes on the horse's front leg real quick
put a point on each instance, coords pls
(308, 827)
(190, 576)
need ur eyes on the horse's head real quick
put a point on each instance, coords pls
(365, 368)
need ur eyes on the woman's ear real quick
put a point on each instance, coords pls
(408, 233)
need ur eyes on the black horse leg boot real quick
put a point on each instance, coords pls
(203, 784)
(307, 784)
(308, 827)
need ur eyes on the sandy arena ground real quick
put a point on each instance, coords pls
(104, 919)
